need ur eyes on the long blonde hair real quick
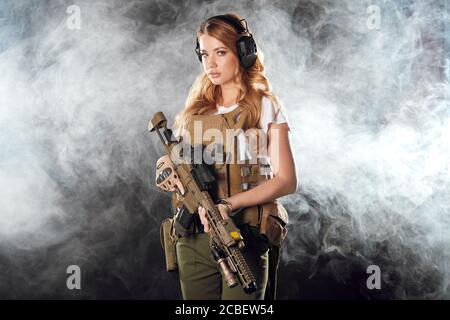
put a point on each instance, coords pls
(204, 95)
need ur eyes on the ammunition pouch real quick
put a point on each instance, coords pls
(168, 239)
(183, 222)
(273, 223)
(186, 223)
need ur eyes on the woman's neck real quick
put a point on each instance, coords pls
(230, 95)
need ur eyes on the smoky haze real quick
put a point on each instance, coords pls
(365, 87)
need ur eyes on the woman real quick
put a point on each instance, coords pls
(233, 87)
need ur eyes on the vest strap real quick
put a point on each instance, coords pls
(236, 119)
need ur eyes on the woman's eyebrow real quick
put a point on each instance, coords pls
(214, 49)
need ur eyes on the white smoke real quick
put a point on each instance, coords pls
(368, 109)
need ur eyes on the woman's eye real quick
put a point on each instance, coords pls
(203, 54)
(221, 53)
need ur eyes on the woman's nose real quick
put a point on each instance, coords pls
(212, 62)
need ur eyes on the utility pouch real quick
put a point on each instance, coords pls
(168, 240)
(183, 222)
(273, 223)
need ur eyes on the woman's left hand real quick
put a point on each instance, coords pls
(224, 212)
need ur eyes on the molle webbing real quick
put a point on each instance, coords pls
(232, 177)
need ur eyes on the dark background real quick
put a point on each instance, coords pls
(367, 102)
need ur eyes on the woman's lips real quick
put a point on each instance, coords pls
(214, 75)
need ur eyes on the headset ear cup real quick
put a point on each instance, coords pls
(197, 51)
(247, 52)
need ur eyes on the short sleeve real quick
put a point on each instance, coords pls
(270, 114)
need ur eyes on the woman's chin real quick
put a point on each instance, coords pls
(216, 82)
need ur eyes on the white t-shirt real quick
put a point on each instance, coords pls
(268, 113)
(268, 116)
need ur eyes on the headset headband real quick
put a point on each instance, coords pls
(233, 21)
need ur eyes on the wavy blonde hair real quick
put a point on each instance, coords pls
(204, 95)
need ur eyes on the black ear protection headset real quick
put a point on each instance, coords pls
(246, 46)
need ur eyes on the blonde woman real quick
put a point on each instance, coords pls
(233, 87)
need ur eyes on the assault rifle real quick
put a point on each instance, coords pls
(191, 181)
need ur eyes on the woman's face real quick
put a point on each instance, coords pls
(219, 62)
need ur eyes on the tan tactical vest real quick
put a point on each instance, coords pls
(236, 177)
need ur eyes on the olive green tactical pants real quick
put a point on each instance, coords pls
(200, 275)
